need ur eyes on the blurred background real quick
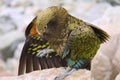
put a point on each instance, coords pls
(15, 15)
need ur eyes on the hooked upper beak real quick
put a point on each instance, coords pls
(38, 32)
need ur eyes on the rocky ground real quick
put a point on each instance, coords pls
(52, 73)
(15, 16)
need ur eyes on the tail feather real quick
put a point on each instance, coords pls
(100, 33)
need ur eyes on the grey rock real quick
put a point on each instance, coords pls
(112, 2)
(50, 74)
(105, 65)
(9, 42)
(6, 25)
(118, 77)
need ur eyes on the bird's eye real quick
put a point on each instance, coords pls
(45, 27)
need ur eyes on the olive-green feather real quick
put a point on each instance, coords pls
(73, 38)
(103, 36)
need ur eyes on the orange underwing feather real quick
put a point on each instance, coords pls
(33, 31)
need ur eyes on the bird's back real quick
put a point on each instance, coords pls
(83, 42)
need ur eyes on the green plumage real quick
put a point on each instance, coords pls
(70, 37)
(84, 40)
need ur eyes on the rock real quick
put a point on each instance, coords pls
(15, 3)
(112, 2)
(105, 65)
(2, 65)
(116, 59)
(3, 69)
(96, 11)
(50, 74)
(8, 68)
(118, 77)
(12, 66)
(6, 24)
(1, 2)
(18, 51)
(9, 43)
(89, 11)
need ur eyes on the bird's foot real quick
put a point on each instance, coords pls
(66, 73)
(44, 52)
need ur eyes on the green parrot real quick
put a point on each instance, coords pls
(34, 44)
(69, 37)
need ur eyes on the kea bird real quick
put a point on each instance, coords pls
(71, 38)
(64, 40)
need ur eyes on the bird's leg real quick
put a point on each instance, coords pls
(82, 64)
(66, 73)
(45, 52)
(78, 65)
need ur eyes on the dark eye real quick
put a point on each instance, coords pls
(45, 27)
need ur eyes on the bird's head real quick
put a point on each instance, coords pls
(51, 20)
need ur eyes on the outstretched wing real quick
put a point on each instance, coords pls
(33, 45)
